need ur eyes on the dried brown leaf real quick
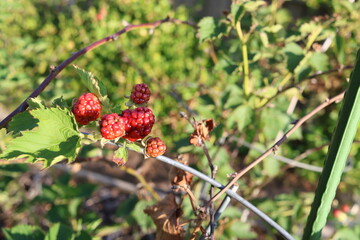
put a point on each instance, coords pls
(180, 177)
(202, 131)
(166, 216)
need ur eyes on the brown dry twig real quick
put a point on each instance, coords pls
(277, 144)
(56, 70)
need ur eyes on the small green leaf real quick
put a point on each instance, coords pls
(211, 29)
(242, 116)
(271, 167)
(226, 66)
(121, 155)
(92, 83)
(35, 103)
(21, 232)
(273, 121)
(319, 61)
(252, 6)
(294, 54)
(236, 12)
(340, 48)
(59, 231)
(302, 72)
(59, 102)
(134, 147)
(345, 234)
(56, 138)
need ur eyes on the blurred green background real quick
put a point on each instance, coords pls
(199, 72)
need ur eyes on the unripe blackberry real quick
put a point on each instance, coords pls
(87, 108)
(140, 94)
(112, 126)
(139, 123)
(155, 147)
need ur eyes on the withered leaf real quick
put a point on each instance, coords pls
(180, 177)
(166, 216)
(202, 132)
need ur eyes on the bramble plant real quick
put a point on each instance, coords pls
(218, 92)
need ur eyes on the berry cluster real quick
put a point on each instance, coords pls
(132, 124)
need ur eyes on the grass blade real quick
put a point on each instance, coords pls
(336, 158)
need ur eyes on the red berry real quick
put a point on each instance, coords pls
(87, 108)
(139, 123)
(140, 94)
(345, 208)
(155, 147)
(112, 126)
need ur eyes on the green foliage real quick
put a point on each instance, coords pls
(202, 69)
(211, 29)
(23, 232)
(54, 138)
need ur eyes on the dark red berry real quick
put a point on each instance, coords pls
(87, 108)
(112, 126)
(139, 123)
(140, 94)
(155, 147)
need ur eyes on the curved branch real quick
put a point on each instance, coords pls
(278, 143)
(54, 72)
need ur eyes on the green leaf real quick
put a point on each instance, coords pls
(35, 103)
(294, 54)
(252, 6)
(22, 122)
(340, 48)
(55, 138)
(236, 12)
(225, 65)
(345, 234)
(92, 83)
(121, 155)
(83, 235)
(319, 61)
(210, 29)
(271, 167)
(242, 116)
(59, 231)
(21, 232)
(339, 149)
(17, 167)
(273, 121)
(59, 102)
(133, 146)
(302, 72)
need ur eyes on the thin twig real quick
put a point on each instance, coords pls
(142, 180)
(348, 67)
(224, 204)
(54, 72)
(291, 162)
(277, 144)
(213, 170)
